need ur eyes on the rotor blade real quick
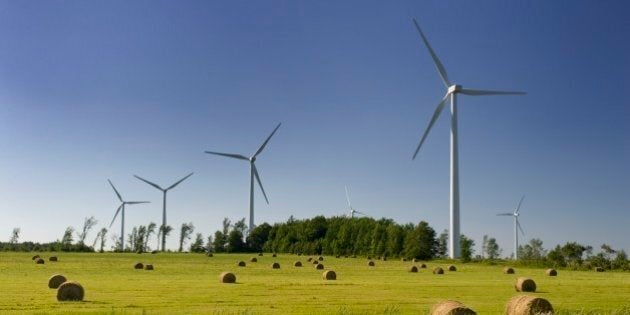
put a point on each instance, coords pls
(506, 214)
(116, 191)
(148, 182)
(348, 198)
(359, 212)
(268, 138)
(474, 92)
(235, 156)
(436, 114)
(520, 228)
(115, 215)
(259, 182)
(519, 204)
(181, 180)
(136, 202)
(436, 60)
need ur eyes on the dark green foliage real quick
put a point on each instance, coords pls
(420, 243)
(466, 246)
(257, 238)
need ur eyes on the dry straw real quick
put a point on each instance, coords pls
(452, 268)
(599, 269)
(241, 264)
(55, 281)
(70, 291)
(53, 258)
(297, 264)
(320, 258)
(403, 259)
(525, 285)
(274, 255)
(148, 267)
(413, 269)
(526, 305)
(438, 271)
(551, 272)
(315, 261)
(371, 263)
(319, 267)
(508, 270)
(329, 275)
(39, 261)
(275, 265)
(227, 277)
(253, 259)
(423, 266)
(35, 257)
(451, 308)
(138, 265)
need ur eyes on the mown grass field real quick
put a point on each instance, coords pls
(189, 284)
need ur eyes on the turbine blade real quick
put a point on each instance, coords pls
(474, 92)
(178, 182)
(506, 214)
(359, 212)
(148, 182)
(115, 215)
(265, 143)
(116, 191)
(136, 202)
(235, 156)
(348, 198)
(436, 60)
(259, 182)
(519, 204)
(436, 114)
(520, 228)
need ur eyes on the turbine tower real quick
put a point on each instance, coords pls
(122, 218)
(451, 93)
(517, 226)
(352, 211)
(253, 173)
(163, 201)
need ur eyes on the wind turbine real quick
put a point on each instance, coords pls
(163, 201)
(122, 221)
(517, 226)
(253, 173)
(352, 211)
(451, 93)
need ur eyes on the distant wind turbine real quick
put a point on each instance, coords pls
(253, 174)
(517, 226)
(352, 211)
(451, 92)
(163, 201)
(122, 218)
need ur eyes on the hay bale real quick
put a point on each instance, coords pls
(309, 259)
(274, 255)
(227, 277)
(35, 257)
(55, 281)
(329, 275)
(260, 254)
(210, 255)
(369, 258)
(551, 272)
(70, 291)
(525, 285)
(450, 307)
(415, 260)
(297, 264)
(452, 268)
(153, 252)
(384, 258)
(508, 270)
(53, 258)
(525, 305)
(319, 266)
(438, 271)
(148, 267)
(403, 259)
(275, 265)
(320, 258)
(423, 266)
(315, 261)
(253, 259)
(371, 263)
(241, 264)
(599, 269)
(138, 265)
(413, 269)
(337, 256)
(39, 261)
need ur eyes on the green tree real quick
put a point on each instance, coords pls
(532, 250)
(492, 248)
(421, 242)
(467, 248)
(258, 237)
(66, 240)
(15, 237)
(184, 234)
(164, 230)
(235, 242)
(442, 247)
(88, 224)
(219, 242)
(150, 230)
(197, 245)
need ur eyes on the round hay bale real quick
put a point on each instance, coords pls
(319, 267)
(423, 266)
(403, 259)
(329, 275)
(337, 256)
(508, 270)
(210, 255)
(415, 260)
(450, 307)
(153, 252)
(55, 281)
(227, 277)
(53, 258)
(309, 259)
(39, 261)
(413, 269)
(260, 254)
(371, 263)
(70, 291)
(384, 258)
(274, 255)
(275, 265)
(315, 261)
(138, 265)
(320, 258)
(452, 268)
(297, 264)
(148, 267)
(369, 258)
(525, 305)
(599, 269)
(35, 257)
(551, 272)
(241, 264)
(438, 271)
(253, 259)
(525, 285)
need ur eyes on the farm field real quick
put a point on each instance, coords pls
(189, 284)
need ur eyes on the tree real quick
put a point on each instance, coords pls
(66, 240)
(164, 230)
(150, 230)
(241, 226)
(197, 245)
(88, 224)
(532, 250)
(219, 242)
(573, 252)
(421, 242)
(100, 235)
(258, 237)
(209, 244)
(556, 257)
(15, 237)
(184, 234)
(467, 248)
(235, 241)
(442, 247)
(492, 250)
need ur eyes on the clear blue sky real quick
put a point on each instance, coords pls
(97, 90)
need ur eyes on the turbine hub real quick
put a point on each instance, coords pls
(252, 159)
(454, 88)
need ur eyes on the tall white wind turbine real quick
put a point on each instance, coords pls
(164, 191)
(451, 93)
(122, 218)
(352, 210)
(517, 226)
(253, 173)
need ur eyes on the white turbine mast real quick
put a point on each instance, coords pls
(517, 226)
(122, 217)
(253, 175)
(451, 93)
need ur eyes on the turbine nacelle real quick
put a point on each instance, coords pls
(455, 88)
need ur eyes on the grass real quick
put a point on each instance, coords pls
(189, 284)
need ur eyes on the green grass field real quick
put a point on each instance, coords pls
(189, 284)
